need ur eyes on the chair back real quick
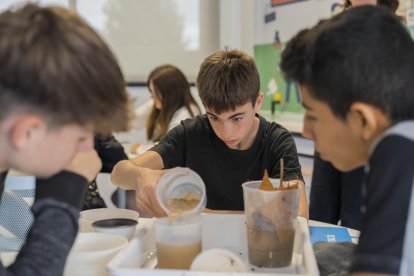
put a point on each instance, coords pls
(16, 217)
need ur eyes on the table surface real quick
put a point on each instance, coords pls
(8, 257)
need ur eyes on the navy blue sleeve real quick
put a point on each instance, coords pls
(388, 194)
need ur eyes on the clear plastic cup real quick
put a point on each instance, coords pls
(178, 241)
(181, 191)
(270, 223)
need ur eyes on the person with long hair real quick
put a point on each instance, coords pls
(172, 98)
(171, 103)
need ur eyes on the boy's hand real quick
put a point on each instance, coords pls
(146, 188)
(87, 164)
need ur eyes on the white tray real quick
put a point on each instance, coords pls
(219, 230)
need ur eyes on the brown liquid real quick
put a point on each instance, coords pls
(177, 256)
(270, 248)
(179, 206)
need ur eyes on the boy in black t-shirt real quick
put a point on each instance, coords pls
(227, 146)
(355, 73)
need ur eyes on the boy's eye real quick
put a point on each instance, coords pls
(214, 119)
(237, 119)
(310, 117)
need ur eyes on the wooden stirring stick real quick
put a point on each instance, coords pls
(281, 173)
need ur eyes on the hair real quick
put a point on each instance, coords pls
(228, 79)
(53, 64)
(364, 55)
(173, 90)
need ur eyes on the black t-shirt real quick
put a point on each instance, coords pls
(385, 244)
(194, 144)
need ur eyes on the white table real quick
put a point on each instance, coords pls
(8, 257)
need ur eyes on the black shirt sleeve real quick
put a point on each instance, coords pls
(388, 195)
(283, 146)
(171, 147)
(110, 151)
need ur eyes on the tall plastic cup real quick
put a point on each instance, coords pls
(178, 241)
(181, 191)
(271, 224)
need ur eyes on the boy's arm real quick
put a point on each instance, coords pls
(383, 246)
(56, 208)
(141, 174)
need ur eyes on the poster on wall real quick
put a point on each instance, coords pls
(280, 95)
(271, 36)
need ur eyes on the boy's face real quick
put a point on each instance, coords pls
(48, 151)
(237, 128)
(337, 141)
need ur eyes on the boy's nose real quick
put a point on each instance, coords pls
(307, 131)
(227, 131)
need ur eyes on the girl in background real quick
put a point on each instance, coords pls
(171, 103)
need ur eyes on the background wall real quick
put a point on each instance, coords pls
(145, 34)
(275, 24)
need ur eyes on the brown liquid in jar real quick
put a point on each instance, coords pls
(179, 206)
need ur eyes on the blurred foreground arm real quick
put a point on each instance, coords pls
(58, 200)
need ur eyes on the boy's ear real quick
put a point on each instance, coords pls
(259, 102)
(367, 120)
(23, 130)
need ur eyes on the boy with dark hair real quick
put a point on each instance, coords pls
(227, 146)
(59, 83)
(355, 74)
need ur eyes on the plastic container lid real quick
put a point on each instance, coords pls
(181, 191)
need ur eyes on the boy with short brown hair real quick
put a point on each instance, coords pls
(59, 83)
